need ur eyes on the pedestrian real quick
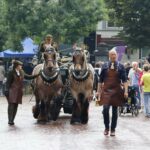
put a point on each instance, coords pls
(110, 91)
(2, 76)
(127, 68)
(11, 66)
(14, 89)
(145, 82)
(134, 77)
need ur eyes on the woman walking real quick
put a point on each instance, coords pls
(145, 81)
(14, 89)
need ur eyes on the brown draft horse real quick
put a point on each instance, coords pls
(47, 88)
(81, 84)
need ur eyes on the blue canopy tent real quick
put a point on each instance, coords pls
(1, 54)
(28, 52)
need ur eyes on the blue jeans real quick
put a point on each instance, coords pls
(147, 103)
(107, 118)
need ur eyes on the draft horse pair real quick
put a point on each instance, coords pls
(48, 88)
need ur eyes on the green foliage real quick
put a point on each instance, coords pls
(133, 15)
(66, 20)
(3, 26)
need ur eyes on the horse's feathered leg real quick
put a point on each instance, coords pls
(36, 108)
(42, 116)
(76, 113)
(84, 112)
(56, 106)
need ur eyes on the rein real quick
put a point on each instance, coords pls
(84, 72)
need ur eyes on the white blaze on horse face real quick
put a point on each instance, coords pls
(78, 67)
(49, 60)
(78, 61)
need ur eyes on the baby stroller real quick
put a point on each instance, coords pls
(130, 105)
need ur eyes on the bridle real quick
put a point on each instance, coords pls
(50, 60)
(49, 80)
(82, 74)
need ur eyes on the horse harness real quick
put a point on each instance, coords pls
(46, 79)
(82, 78)
(49, 80)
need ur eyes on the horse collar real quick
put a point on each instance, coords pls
(81, 78)
(48, 80)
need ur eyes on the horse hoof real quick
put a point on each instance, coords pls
(72, 122)
(41, 122)
(54, 118)
(84, 121)
(35, 111)
(42, 119)
(75, 120)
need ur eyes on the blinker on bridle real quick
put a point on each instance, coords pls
(77, 52)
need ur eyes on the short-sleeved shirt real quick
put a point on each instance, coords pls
(134, 77)
(146, 80)
(119, 67)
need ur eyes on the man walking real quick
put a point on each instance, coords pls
(134, 76)
(110, 91)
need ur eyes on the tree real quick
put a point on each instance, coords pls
(3, 26)
(66, 20)
(17, 12)
(133, 15)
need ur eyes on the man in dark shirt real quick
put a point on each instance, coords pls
(111, 93)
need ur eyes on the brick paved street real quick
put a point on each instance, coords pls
(132, 132)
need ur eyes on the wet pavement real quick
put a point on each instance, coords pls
(132, 132)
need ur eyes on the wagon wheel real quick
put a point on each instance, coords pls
(120, 111)
(36, 111)
(136, 112)
(132, 110)
(68, 102)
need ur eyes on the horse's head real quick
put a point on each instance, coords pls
(49, 58)
(78, 59)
